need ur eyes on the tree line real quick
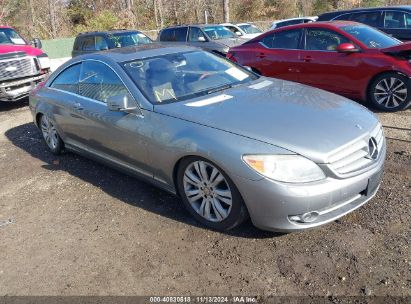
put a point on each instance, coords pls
(49, 19)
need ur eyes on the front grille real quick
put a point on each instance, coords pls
(356, 157)
(17, 68)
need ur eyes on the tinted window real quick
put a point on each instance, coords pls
(371, 37)
(343, 17)
(88, 44)
(397, 20)
(283, 40)
(323, 40)
(194, 34)
(369, 18)
(101, 43)
(68, 79)
(166, 35)
(99, 82)
(180, 34)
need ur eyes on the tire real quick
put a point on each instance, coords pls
(50, 135)
(217, 204)
(390, 92)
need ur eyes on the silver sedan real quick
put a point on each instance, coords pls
(231, 144)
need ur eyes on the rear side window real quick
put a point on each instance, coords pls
(343, 17)
(88, 44)
(166, 35)
(180, 34)
(101, 43)
(99, 82)
(397, 20)
(369, 18)
(283, 40)
(68, 79)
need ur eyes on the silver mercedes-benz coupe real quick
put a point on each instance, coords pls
(231, 144)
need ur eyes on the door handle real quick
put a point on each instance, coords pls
(307, 58)
(77, 106)
(261, 55)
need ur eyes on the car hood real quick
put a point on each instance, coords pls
(28, 49)
(304, 120)
(398, 49)
(230, 41)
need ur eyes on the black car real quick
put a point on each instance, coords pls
(214, 38)
(90, 42)
(394, 20)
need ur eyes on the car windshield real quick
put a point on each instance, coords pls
(180, 76)
(371, 37)
(129, 39)
(10, 36)
(250, 29)
(218, 32)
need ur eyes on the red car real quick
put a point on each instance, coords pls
(347, 58)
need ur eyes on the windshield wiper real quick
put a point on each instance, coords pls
(222, 88)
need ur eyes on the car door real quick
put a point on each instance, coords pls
(64, 96)
(277, 55)
(398, 24)
(323, 67)
(112, 135)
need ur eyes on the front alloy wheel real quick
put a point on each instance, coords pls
(390, 92)
(209, 194)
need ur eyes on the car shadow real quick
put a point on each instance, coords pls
(116, 184)
(12, 105)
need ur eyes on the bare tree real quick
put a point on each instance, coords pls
(226, 10)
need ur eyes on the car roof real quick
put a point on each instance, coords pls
(369, 9)
(115, 31)
(5, 27)
(325, 24)
(138, 52)
(298, 18)
(194, 24)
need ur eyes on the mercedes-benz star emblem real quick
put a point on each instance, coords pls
(372, 149)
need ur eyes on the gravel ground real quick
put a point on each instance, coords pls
(70, 226)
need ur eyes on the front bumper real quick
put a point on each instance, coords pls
(17, 89)
(274, 206)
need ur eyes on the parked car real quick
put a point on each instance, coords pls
(344, 57)
(90, 42)
(243, 30)
(292, 21)
(22, 66)
(228, 142)
(210, 37)
(394, 20)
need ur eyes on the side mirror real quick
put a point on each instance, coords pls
(121, 102)
(201, 39)
(347, 48)
(36, 42)
(238, 33)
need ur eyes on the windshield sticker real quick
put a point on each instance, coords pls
(236, 73)
(261, 85)
(208, 101)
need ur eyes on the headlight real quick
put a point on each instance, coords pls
(44, 61)
(285, 168)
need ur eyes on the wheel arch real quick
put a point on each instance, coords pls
(367, 90)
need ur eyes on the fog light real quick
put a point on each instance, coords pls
(307, 217)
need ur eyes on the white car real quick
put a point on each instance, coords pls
(244, 30)
(292, 21)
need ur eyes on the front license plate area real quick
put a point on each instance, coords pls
(374, 181)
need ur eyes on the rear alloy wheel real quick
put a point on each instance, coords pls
(390, 92)
(50, 135)
(209, 194)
